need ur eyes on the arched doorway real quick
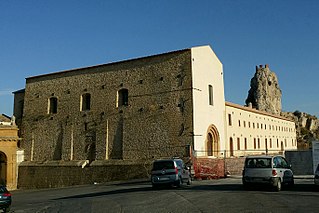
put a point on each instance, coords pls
(212, 141)
(3, 168)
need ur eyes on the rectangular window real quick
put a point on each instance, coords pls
(86, 102)
(211, 95)
(53, 105)
(245, 143)
(254, 143)
(239, 123)
(238, 143)
(258, 143)
(229, 120)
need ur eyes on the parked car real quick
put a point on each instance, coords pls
(170, 172)
(274, 171)
(316, 178)
(5, 199)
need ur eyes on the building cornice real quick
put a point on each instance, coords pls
(248, 109)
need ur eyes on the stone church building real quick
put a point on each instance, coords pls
(159, 106)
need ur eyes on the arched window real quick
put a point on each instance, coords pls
(86, 102)
(53, 105)
(122, 98)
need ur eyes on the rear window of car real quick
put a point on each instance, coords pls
(159, 165)
(258, 163)
(3, 189)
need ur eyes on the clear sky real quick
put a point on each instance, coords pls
(39, 37)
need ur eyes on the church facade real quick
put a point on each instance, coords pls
(166, 105)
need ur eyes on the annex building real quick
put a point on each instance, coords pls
(9, 152)
(165, 105)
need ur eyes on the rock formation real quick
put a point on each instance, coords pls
(307, 127)
(264, 93)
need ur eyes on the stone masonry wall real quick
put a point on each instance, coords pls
(156, 123)
(61, 174)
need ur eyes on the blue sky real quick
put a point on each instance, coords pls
(39, 37)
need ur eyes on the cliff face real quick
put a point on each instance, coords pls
(264, 93)
(307, 127)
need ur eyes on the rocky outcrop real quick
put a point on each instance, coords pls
(307, 127)
(264, 93)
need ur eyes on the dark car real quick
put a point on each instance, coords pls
(5, 199)
(170, 172)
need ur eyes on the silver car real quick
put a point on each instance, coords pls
(272, 170)
(170, 172)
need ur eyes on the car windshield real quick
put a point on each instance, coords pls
(159, 165)
(258, 163)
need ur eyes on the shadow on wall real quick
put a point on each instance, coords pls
(57, 155)
(117, 145)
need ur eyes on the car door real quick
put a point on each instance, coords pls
(184, 171)
(278, 165)
(287, 173)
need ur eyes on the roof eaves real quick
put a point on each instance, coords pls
(107, 64)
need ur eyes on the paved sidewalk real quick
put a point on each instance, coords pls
(295, 176)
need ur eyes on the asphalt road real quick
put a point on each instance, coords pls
(224, 195)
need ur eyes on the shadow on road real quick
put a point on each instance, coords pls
(119, 191)
(204, 187)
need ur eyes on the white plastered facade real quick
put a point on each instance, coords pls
(207, 71)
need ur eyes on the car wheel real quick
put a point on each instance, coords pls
(189, 182)
(278, 185)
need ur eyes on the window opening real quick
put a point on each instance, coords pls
(211, 95)
(86, 102)
(229, 120)
(53, 105)
(122, 98)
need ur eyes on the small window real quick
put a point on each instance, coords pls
(211, 95)
(86, 102)
(122, 98)
(245, 143)
(229, 120)
(53, 105)
(238, 143)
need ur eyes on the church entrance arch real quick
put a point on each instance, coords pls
(3, 168)
(212, 141)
